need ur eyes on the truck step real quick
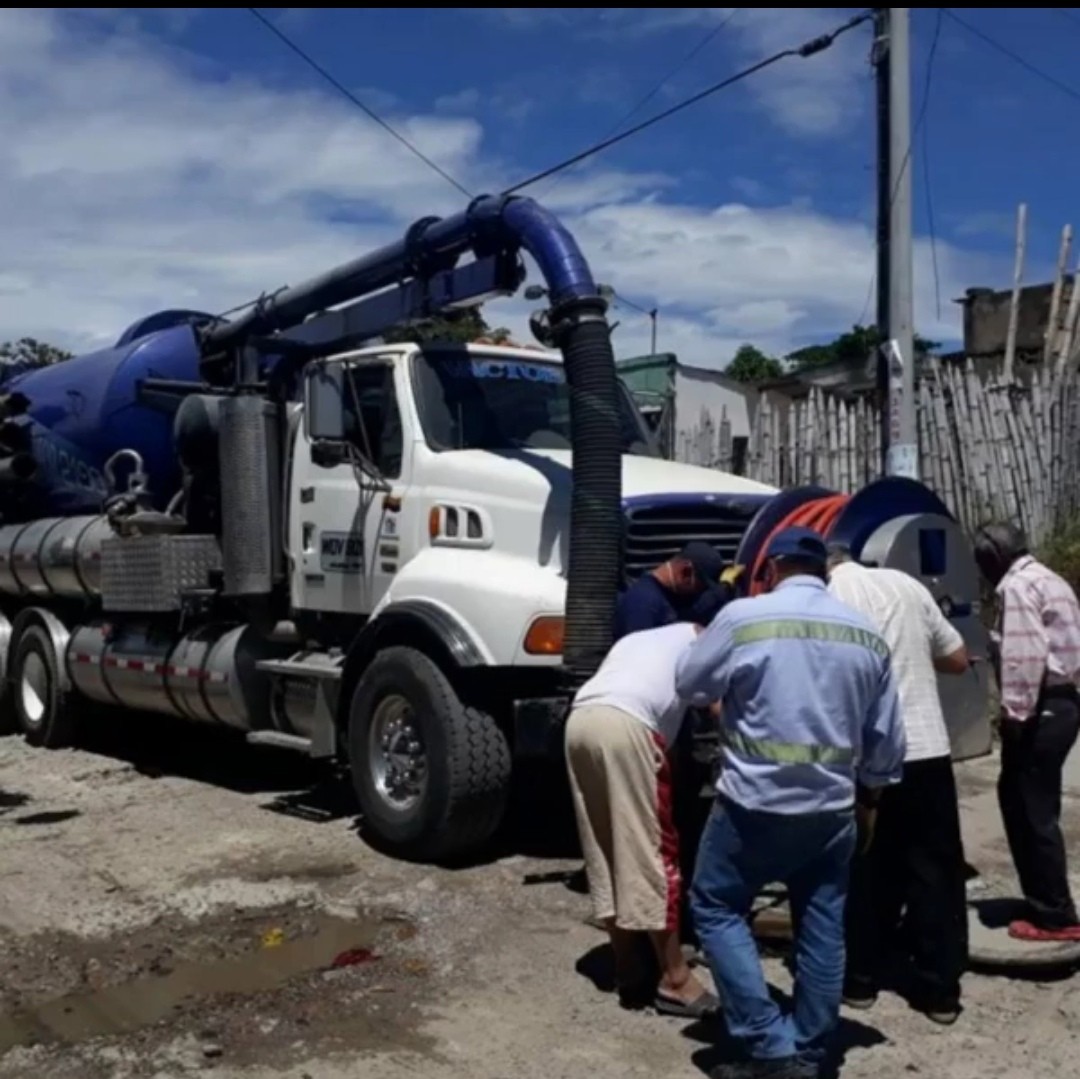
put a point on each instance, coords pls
(300, 668)
(279, 740)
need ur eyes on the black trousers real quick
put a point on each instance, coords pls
(1033, 756)
(909, 888)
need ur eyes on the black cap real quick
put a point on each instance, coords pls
(707, 563)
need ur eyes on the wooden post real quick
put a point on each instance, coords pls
(1053, 327)
(1014, 305)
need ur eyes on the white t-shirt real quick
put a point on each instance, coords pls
(917, 633)
(638, 677)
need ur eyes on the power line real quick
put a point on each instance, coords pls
(809, 48)
(1038, 72)
(658, 86)
(700, 47)
(350, 96)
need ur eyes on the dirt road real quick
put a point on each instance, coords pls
(172, 904)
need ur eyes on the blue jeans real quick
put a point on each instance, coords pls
(742, 851)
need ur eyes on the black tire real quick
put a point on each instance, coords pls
(34, 665)
(8, 724)
(468, 762)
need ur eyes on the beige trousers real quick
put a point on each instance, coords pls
(621, 783)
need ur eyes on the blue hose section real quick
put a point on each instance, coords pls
(549, 242)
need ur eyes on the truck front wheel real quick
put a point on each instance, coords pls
(42, 709)
(430, 773)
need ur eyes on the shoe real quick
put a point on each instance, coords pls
(943, 1015)
(860, 999)
(941, 1010)
(780, 1068)
(1037, 935)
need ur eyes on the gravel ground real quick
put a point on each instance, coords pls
(173, 904)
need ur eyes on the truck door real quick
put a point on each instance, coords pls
(346, 527)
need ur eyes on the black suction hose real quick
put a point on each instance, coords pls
(596, 526)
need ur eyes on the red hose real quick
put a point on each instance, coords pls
(820, 515)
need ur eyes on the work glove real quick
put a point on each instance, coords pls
(731, 574)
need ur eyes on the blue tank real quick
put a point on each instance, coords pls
(85, 409)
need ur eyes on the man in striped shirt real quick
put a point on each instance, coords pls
(1038, 662)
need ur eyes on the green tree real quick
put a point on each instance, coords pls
(854, 347)
(750, 364)
(458, 326)
(29, 352)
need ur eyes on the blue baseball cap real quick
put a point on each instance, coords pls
(798, 542)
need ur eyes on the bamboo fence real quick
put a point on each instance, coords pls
(994, 441)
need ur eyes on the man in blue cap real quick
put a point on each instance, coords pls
(810, 733)
(677, 590)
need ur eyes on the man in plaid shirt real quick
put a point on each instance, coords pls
(1038, 665)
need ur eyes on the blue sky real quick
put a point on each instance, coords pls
(186, 157)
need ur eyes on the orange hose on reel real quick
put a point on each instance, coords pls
(820, 515)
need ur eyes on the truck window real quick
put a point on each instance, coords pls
(471, 402)
(376, 429)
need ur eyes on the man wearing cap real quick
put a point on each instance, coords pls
(670, 592)
(809, 721)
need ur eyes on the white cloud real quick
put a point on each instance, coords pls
(820, 95)
(136, 177)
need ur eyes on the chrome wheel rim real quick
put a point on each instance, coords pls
(396, 754)
(34, 688)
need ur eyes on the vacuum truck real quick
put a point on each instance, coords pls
(403, 558)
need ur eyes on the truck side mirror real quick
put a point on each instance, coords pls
(324, 403)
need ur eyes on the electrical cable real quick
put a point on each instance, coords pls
(1038, 72)
(369, 112)
(820, 514)
(807, 49)
(657, 87)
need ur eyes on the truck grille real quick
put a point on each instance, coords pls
(656, 533)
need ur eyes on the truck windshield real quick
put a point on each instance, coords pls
(472, 402)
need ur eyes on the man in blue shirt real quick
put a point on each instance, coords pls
(674, 590)
(809, 719)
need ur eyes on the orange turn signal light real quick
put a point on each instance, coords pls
(545, 636)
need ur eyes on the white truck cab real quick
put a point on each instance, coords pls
(456, 491)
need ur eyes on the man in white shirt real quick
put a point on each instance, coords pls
(914, 869)
(621, 726)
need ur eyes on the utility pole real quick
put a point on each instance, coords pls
(895, 314)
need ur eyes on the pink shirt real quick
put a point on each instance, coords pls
(1039, 635)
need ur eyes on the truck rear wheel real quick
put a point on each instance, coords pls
(42, 709)
(431, 774)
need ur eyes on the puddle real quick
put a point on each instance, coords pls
(128, 1007)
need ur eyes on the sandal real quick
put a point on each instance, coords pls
(704, 1006)
(1037, 935)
